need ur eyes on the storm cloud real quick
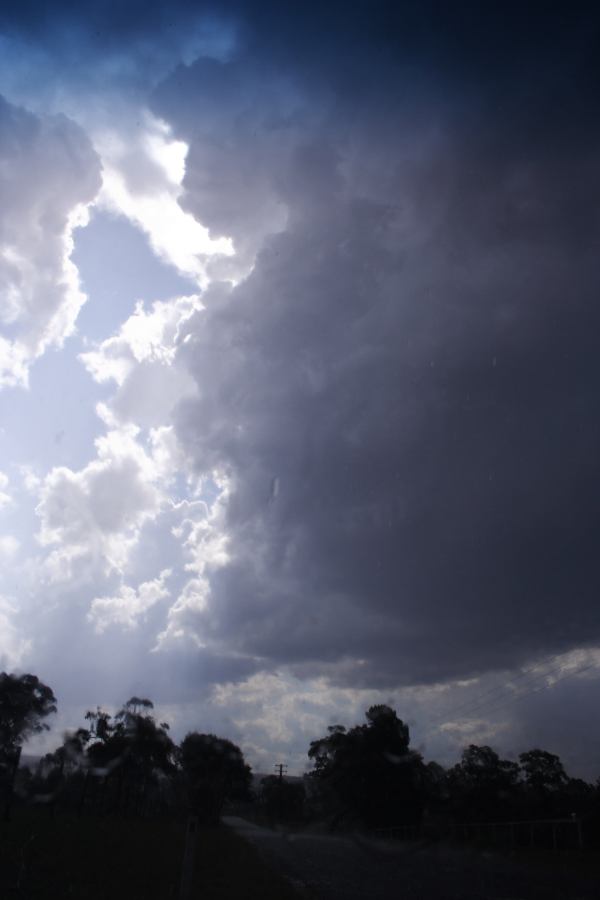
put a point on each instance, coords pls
(403, 390)
(340, 343)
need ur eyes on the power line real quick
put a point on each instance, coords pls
(470, 710)
(499, 689)
(543, 687)
(494, 689)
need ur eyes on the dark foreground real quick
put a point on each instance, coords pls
(328, 867)
(108, 858)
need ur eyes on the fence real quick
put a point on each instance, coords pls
(410, 832)
(551, 834)
(548, 834)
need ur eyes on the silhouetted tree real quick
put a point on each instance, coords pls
(24, 702)
(149, 749)
(130, 748)
(577, 797)
(105, 741)
(545, 782)
(215, 771)
(542, 770)
(282, 799)
(483, 786)
(370, 770)
(59, 772)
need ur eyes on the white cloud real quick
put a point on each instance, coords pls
(96, 513)
(143, 174)
(204, 540)
(48, 173)
(13, 645)
(31, 480)
(142, 359)
(5, 498)
(128, 606)
(279, 714)
(146, 336)
(9, 546)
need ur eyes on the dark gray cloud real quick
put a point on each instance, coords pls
(343, 44)
(404, 388)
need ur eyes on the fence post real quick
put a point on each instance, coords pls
(189, 855)
(10, 793)
(84, 788)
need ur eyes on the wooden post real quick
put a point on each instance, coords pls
(554, 836)
(189, 854)
(10, 793)
(84, 788)
(579, 835)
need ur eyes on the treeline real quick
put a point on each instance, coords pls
(122, 764)
(370, 775)
(367, 776)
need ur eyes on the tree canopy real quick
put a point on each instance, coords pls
(131, 739)
(282, 799)
(24, 702)
(371, 769)
(482, 785)
(215, 771)
(542, 770)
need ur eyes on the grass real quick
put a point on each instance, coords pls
(138, 859)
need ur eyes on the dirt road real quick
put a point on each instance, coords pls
(327, 867)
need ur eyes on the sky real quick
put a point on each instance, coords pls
(299, 373)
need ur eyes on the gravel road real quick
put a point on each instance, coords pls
(326, 867)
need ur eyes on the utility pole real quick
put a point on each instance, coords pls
(282, 768)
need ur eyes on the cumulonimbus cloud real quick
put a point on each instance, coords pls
(402, 389)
